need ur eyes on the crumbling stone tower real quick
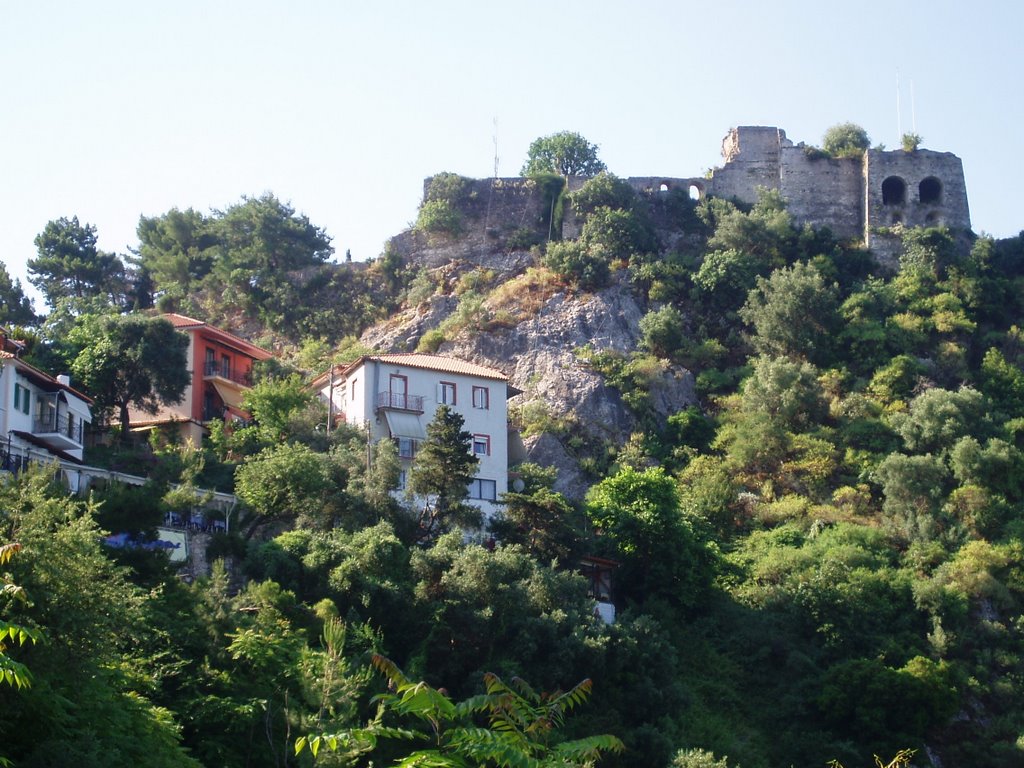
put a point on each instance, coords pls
(856, 197)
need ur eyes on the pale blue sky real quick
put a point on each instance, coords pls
(109, 110)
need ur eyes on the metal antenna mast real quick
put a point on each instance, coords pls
(913, 108)
(495, 147)
(899, 120)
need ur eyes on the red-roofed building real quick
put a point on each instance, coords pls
(221, 365)
(396, 396)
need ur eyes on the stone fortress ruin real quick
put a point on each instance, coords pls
(856, 197)
(867, 198)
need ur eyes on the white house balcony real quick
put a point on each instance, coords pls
(58, 430)
(399, 401)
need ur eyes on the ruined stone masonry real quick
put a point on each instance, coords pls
(867, 198)
(856, 197)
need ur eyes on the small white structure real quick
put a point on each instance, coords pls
(396, 395)
(41, 417)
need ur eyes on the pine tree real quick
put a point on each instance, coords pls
(441, 474)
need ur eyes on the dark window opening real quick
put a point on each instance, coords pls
(933, 219)
(894, 191)
(897, 218)
(930, 190)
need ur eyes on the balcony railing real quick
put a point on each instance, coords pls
(400, 402)
(58, 424)
(213, 368)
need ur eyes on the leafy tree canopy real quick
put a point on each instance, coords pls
(845, 140)
(539, 518)
(794, 313)
(133, 361)
(566, 153)
(605, 189)
(639, 515)
(68, 264)
(287, 481)
(15, 306)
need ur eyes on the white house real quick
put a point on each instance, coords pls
(396, 396)
(41, 417)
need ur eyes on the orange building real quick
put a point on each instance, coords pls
(221, 365)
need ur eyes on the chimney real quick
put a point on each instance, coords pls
(64, 379)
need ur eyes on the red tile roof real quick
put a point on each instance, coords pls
(434, 363)
(41, 377)
(185, 323)
(417, 360)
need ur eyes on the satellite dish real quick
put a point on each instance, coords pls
(518, 485)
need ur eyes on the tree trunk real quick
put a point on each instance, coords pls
(125, 425)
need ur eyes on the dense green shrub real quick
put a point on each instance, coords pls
(845, 140)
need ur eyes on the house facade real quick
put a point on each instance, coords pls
(221, 366)
(42, 417)
(395, 396)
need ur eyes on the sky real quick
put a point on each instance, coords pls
(112, 110)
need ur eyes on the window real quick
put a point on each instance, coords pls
(481, 445)
(403, 477)
(209, 412)
(481, 398)
(894, 191)
(406, 447)
(22, 399)
(225, 366)
(446, 393)
(398, 388)
(354, 389)
(483, 489)
(930, 190)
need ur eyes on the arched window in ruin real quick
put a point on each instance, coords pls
(894, 191)
(663, 187)
(930, 190)
(897, 218)
(695, 192)
(933, 219)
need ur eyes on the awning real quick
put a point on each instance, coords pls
(231, 396)
(405, 425)
(78, 407)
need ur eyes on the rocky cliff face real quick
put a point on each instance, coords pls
(540, 356)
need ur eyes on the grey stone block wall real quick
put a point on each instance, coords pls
(943, 171)
(823, 190)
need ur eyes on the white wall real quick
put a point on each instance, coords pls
(374, 377)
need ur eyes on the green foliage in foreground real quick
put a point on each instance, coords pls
(507, 725)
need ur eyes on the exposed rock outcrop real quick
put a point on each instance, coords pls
(540, 356)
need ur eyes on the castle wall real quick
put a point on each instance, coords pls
(934, 190)
(852, 196)
(821, 190)
(752, 160)
(502, 203)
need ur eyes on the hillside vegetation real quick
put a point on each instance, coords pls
(820, 546)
